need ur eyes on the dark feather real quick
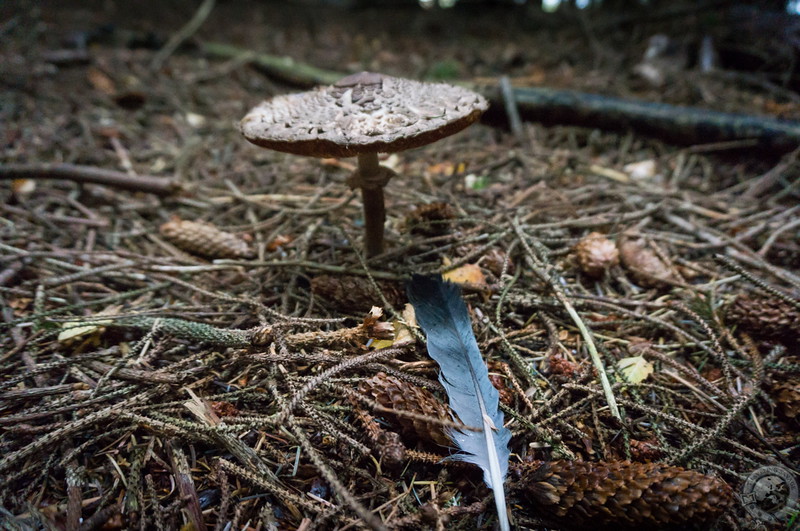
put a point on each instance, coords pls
(443, 316)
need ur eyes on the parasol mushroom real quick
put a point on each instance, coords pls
(362, 115)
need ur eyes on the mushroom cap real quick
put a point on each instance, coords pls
(362, 113)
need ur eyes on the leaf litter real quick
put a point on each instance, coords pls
(197, 390)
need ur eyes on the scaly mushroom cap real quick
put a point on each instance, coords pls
(362, 113)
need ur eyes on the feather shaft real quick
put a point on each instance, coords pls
(443, 316)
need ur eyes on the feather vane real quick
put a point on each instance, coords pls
(443, 316)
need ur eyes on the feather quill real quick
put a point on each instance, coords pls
(443, 316)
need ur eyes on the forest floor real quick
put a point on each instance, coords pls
(157, 374)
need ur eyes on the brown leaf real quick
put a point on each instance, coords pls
(100, 81)
(646, 266)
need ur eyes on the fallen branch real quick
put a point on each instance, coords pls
(284, 68)
(673, 123)
(90, 174)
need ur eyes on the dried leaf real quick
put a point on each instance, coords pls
(100, 81)
(80, 328)
(393, 162)
(281, 240)
(336, 163)
(201, 409)
(195, 120)
(402, 333)
(23, 186)
(647, 267)
(635, 369)
(643, 170)
(445, 169)
(467, 274)
(75, 329)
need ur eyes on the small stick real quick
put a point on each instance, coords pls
(186, 486)
(774, 236)
(90, 174)
(761, 185)
(74, 496)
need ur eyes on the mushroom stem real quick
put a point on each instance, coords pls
(371, 182)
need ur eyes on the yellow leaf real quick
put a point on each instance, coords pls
(381, 343)
(466, 274)
(635, 369)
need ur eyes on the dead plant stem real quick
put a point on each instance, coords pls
(541, 270)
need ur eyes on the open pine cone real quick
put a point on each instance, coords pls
(596, 254)
(764, 317)
(619, 494)
(402, 396)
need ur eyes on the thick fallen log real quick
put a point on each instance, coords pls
(672, 123)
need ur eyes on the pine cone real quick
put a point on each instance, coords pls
(596, 254)
(355, 294)
(645, 450)
(397, 394)
(204, 239)
(620, 494)
(764, 317)
(391, 449)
